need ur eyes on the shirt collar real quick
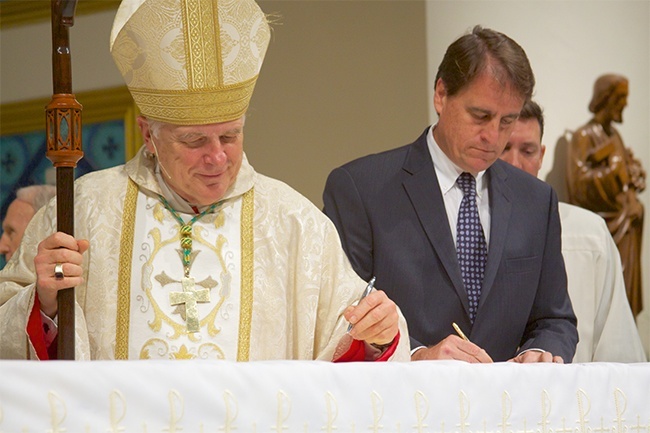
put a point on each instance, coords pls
(446, 171)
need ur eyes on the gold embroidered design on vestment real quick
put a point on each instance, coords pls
(124, 275)
(189, 293)
(163, 349)
(207, 350)
(247, 267)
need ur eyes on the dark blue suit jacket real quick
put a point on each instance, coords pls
(392, 220)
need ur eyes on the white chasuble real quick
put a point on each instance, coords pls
(158, 300)
(271, 262)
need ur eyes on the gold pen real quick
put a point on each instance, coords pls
(459, 331)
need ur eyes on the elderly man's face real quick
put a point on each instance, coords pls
(524, 149)
(200, 161)
(19, 213)
(475, 123)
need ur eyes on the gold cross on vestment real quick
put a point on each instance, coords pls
(190, 296)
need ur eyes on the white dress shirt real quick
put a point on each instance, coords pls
(447, 173)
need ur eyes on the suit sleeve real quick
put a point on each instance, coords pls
(552, 322)
(343, 205)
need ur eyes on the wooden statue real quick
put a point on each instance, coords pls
(605, 177)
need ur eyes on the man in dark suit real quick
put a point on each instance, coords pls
(397, 213)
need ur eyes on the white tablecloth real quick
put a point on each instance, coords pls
(292, 396)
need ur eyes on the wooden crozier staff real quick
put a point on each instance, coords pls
(63, 130)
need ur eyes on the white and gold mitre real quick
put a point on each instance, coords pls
(190, 62)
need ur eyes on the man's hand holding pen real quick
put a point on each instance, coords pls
(374, 319)
(453, 347)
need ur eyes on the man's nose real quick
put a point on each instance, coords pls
(516, 160)
(512, 158)
(4, 244)
(215, 153)
(490, 132)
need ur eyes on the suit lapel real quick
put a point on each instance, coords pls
(500, 210)
(421, 185)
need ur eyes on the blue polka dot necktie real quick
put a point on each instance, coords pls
(471, 248)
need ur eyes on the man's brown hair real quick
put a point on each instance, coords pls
(471, 54)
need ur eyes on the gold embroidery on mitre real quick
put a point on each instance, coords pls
(201, 48)
(201, 25)
(196, 107)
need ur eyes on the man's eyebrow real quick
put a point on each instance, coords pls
(198, 135)
(189, 135)
(480, 110)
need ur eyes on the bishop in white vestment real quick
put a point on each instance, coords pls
(185, 252)
(271, 261)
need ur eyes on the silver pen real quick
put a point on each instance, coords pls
(366, 292)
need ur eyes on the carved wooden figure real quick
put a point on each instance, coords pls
(605, 177)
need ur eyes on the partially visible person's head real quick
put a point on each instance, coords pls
(481, 86)
(524, 149)
(19, 213)
(610, 96)
(192, 80)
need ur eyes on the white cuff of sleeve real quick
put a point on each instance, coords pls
(534, 349)
(417, 348)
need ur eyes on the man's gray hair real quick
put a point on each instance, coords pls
(36, 195)
(156, 125)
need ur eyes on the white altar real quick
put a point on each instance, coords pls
(293, 396)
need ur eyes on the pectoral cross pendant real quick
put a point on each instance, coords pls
(190, 296)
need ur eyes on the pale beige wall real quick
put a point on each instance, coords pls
(341, 79)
